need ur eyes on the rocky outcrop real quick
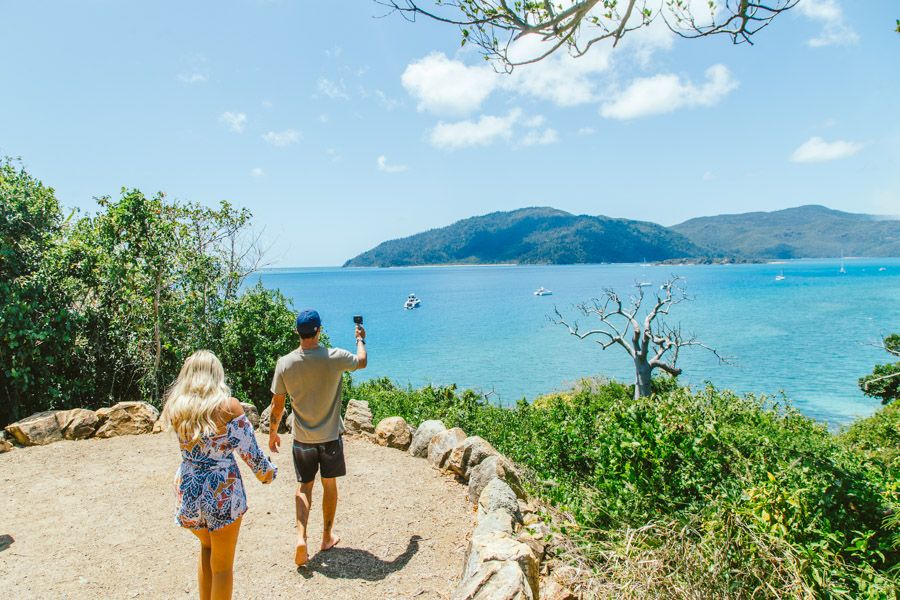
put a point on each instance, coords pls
(358, 418)
(126, 418)
(251, 413)
(38, 429)
(266, 415)
(469, 455)
(393, 432)
(422, 437)
(493, 467)
(78, 423)
(442, 445)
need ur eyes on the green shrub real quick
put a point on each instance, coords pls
(766, 496)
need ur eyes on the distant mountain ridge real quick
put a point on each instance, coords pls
(810, 231)
(544, 235)
(536, 235)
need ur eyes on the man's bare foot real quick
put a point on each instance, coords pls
(331, 542)
(301, 555)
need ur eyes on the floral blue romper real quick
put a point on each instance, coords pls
(210, 493)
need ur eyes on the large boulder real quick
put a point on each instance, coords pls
(78, 423)
(358, 418)
(38, 429)
(251, 413)
(469, 455)
(442, 445)
(495, 580)
(493, 467)
(265, 417)
(422, 437)
(393, 432)
(498, 496)
(126, 418)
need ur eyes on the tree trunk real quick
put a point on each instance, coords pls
(642, 378)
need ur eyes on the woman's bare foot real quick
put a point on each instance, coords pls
(300, 554)
(330, 542)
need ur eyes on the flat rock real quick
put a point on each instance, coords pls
(493, 467)
(251, 413)
(393, 432)
(126, 418)
(38, 429)
(442, 445)
(78, 423)
(469, 455)
(358, 418)
(264, 418)
(422, 437)
(497, 580)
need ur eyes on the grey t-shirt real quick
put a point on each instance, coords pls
(313, 380)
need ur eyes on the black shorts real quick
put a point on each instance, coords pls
(328, 455)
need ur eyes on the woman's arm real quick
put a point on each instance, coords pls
(244, 443)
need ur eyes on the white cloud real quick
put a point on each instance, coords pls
(708, 176)
(535, 121)
(815, 149)
(445, 86)
(257, 172)
(192, 77)
(586, 131)
(384, 166)
(283, 138)
(333, 154)
(324, 118)
(236, 121)
(386, 101)
(267, 104)
(540, 138)
(332, 89)
(665, 93)
(483, 132)
(835, 31)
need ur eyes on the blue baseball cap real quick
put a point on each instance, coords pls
(308, 321)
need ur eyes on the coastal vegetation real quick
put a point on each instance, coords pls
(95, 309)
(551, 236)
(695, 494)
(884, 381)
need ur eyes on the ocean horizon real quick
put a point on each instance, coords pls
(805, 339)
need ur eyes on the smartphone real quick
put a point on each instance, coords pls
(358, 319)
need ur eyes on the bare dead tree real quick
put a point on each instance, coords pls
(576, 25)
(651, 343)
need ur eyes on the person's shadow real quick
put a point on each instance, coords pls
(352, 563)
(6, 541)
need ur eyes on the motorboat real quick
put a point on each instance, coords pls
(411, 302)
(780, 276)
(542, 291)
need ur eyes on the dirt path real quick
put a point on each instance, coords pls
(93, 519)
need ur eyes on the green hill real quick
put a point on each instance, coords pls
(531, 235)
(802, 232)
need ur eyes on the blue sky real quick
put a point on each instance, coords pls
(340, 130)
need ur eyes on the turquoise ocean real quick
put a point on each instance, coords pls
(809, 336)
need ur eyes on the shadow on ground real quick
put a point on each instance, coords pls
(352, 563)
(5, 542)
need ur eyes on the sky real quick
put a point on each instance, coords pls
(341, 128)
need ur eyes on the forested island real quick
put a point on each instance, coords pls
(543, 235)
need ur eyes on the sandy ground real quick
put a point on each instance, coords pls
(93, 519)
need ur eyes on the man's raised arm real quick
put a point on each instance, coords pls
(277, 407)
(361, 357)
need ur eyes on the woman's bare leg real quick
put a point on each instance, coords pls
(204, 571)
(221, 561)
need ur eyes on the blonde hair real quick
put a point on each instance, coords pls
(195, 396)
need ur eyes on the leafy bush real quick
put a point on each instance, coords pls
(768, 501)
(884, 380)
(97, 309)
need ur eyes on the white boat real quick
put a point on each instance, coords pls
(780, 276)
(882, 268)
(843, 270)
(542, 291)
(411, 302)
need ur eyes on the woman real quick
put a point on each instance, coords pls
(211, 501)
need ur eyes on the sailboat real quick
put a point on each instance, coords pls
(843, 270)
(780, 276)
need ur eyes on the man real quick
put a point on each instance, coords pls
(312, 375)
